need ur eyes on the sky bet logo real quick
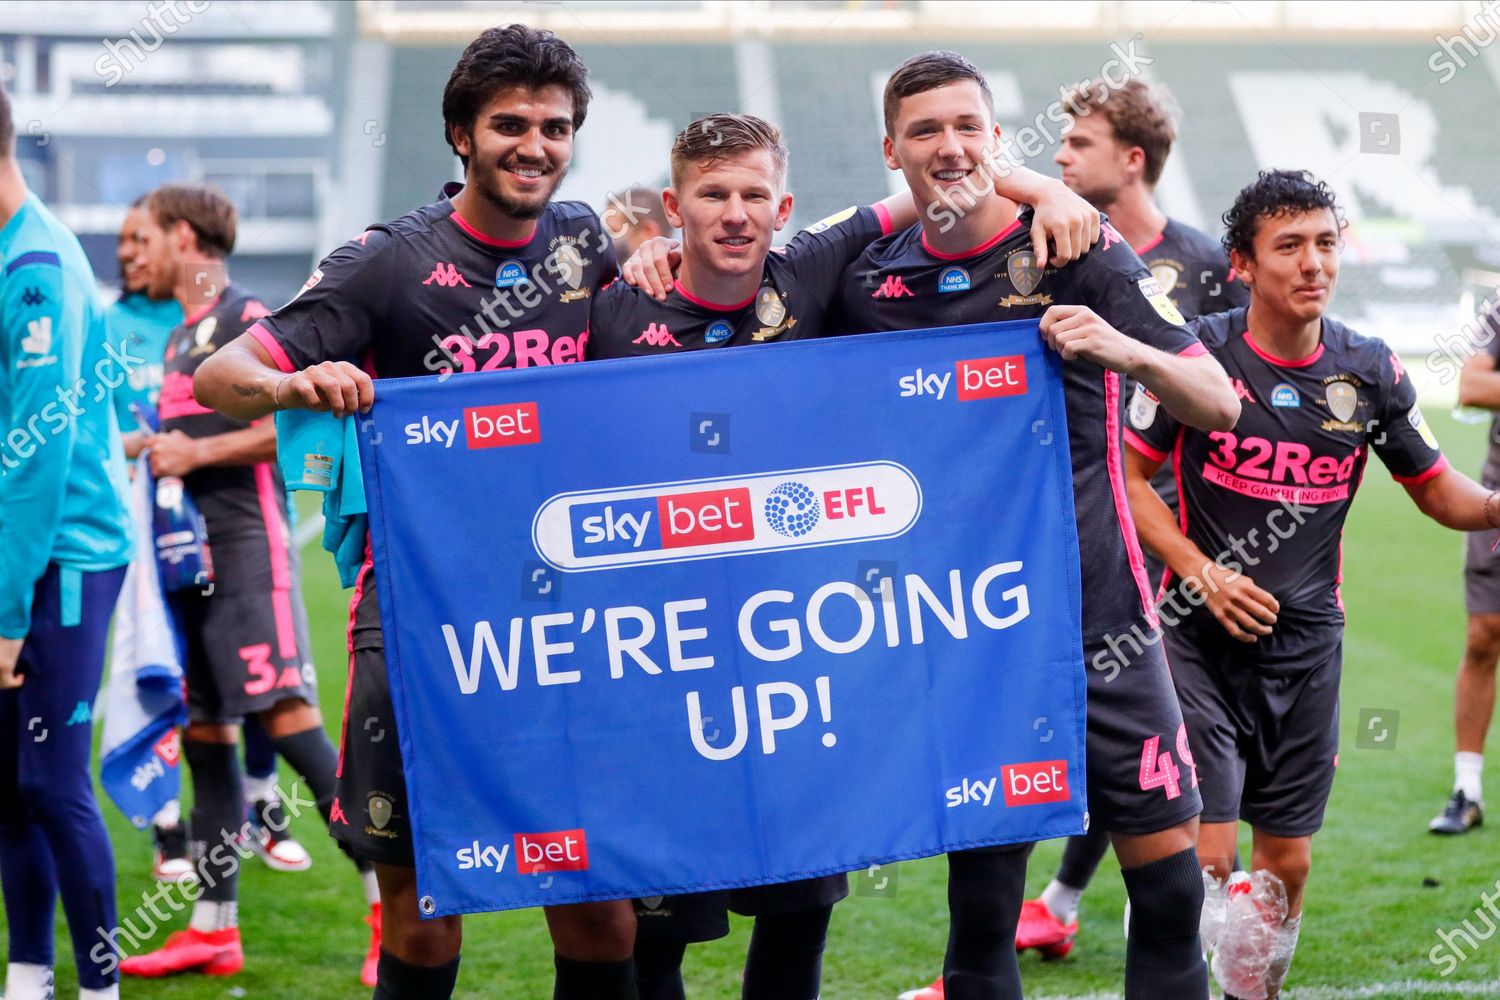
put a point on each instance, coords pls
(1020, 785)
(974, 378)
(484, 427)
(485, 856)
(736, 515)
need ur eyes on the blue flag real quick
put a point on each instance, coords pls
(731, 617)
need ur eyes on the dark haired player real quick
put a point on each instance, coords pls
(1113, 154)
(975, 266)
(1257, 657)
(247, 651)
(729, 198)
(493, 275)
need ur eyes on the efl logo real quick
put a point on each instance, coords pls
(1035, 783)
(559, 851)
(501, 426)
(987, 378)
(733, 515)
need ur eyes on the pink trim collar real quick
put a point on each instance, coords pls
(1282, 362)
(1150, 244)
(715, 306)
(207, 308)
(981, 248)
(489, 241)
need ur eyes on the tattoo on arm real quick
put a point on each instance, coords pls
(245, 391)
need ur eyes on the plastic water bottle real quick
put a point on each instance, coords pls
(1472, 415)
(1254, 910)
(1211, 918)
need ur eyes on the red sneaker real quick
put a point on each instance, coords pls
(367, 971)
(213, 953)
(1039, 928)
(933, 992)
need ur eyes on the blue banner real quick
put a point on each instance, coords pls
(725, 618)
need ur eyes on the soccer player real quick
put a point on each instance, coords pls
(1474, 692)
(1256, 644)
(729, 197)
(64, 543)
(139, 326)
(1113, 155)
(968, 262)
(492, 275)
(634, 217)
(247, 652)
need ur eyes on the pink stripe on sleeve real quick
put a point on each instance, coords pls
(1114, 460)
(1192, 350)
(281, 576)
(1436, 469)
(273, 347)
(1139, 444)
(884, 215)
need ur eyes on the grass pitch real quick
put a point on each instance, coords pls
(1381, 886)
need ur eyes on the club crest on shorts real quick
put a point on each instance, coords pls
(1342, 399)
(380, 811)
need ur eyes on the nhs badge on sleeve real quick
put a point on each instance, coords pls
(509, 274)
(953, 279)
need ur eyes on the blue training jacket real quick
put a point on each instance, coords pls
(62, 470)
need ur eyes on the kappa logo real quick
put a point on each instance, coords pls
(447, 276)
(82, 715)
(33, 297)
(1242, 392)
(892, 288)
(657, 335)
(1108, 236)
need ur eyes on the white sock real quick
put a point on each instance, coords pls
(110, 992)
(1062, 900)
(168, 815)
(25, 981)
(372, 887)
(1467, 767)
(260, 788)
(209, 916)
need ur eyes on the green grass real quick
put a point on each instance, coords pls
(1369, 917)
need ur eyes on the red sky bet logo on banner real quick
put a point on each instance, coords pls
(720, 694)
(670, 522)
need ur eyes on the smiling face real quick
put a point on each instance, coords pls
(944, 141)
(127, 250)
(1296, 263)
(519, 148)
(728, 210)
